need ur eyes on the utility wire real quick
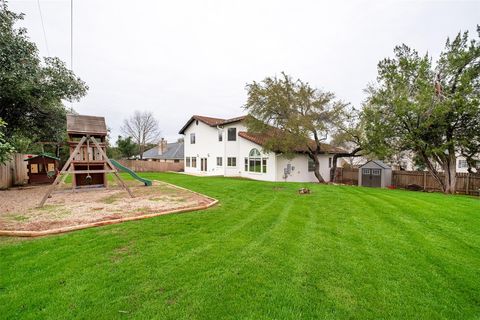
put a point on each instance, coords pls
(71, 35)
(43, 27)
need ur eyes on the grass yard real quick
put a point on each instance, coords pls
(264, 252)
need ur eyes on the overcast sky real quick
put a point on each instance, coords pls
(179, 58)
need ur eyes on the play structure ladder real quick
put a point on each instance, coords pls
(131, 172)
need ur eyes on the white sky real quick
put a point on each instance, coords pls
(179, 58)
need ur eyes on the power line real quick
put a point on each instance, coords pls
(43, 27)
(71, 35)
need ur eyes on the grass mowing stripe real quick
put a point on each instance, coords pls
(430, 255)
(341, 252)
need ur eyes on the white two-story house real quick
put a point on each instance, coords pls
(223, 147)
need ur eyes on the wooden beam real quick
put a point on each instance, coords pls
(93, 171)
(62, 172)
(112, 167)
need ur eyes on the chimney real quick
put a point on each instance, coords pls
(162, 146)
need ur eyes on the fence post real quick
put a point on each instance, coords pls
(467, 192)
(424, 181)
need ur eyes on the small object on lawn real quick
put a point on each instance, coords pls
(414, 187)
(304, 191)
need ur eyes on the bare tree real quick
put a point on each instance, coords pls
(143, 128)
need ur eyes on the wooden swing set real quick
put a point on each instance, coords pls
(88, 162)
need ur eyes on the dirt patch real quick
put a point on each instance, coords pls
(67, 208)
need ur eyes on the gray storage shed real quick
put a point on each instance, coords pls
(375, 173)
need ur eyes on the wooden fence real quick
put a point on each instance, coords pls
(143, 166)
(467, 183)
(14, 172)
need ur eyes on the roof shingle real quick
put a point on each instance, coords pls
(261, 139)
(212, 122)
(173, 151)
(81, 124)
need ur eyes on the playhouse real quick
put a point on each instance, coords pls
(42, 168)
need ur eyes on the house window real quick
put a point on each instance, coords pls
(462, 164)
(187, 162)
(329, 162)
(255, 162)
(176, 160)
(219, 161)
(231, 162)
(232, 134)
(311, 165)
(192, 138)
(220, 136)
(194, 162)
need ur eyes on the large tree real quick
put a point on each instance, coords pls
(431, 110)
(32, 89)
(6, 149)
(293, 116)
(126, 147)
(143, 128)
(350, 137)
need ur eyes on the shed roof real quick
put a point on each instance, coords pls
(82, 124)
(173, 151)
(378, 163)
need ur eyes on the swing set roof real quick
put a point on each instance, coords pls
(81, 124)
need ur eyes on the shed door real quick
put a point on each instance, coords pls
(371, 178)
(376, 178)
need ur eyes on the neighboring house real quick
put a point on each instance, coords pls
(165, 152)
(462, 165)
(216, 146)
(406, 163)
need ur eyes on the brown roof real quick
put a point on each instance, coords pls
(260, 139)
(212, 122)
(80, 124)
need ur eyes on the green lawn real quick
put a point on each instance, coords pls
(264, 252)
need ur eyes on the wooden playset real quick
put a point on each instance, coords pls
(88, 162)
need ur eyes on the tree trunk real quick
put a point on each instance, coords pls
(341, 155)
(317, 171)
(319, 177)
(450, 174)
(432, 169)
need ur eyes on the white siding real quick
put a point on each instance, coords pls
(301, 173)
(207, 146)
